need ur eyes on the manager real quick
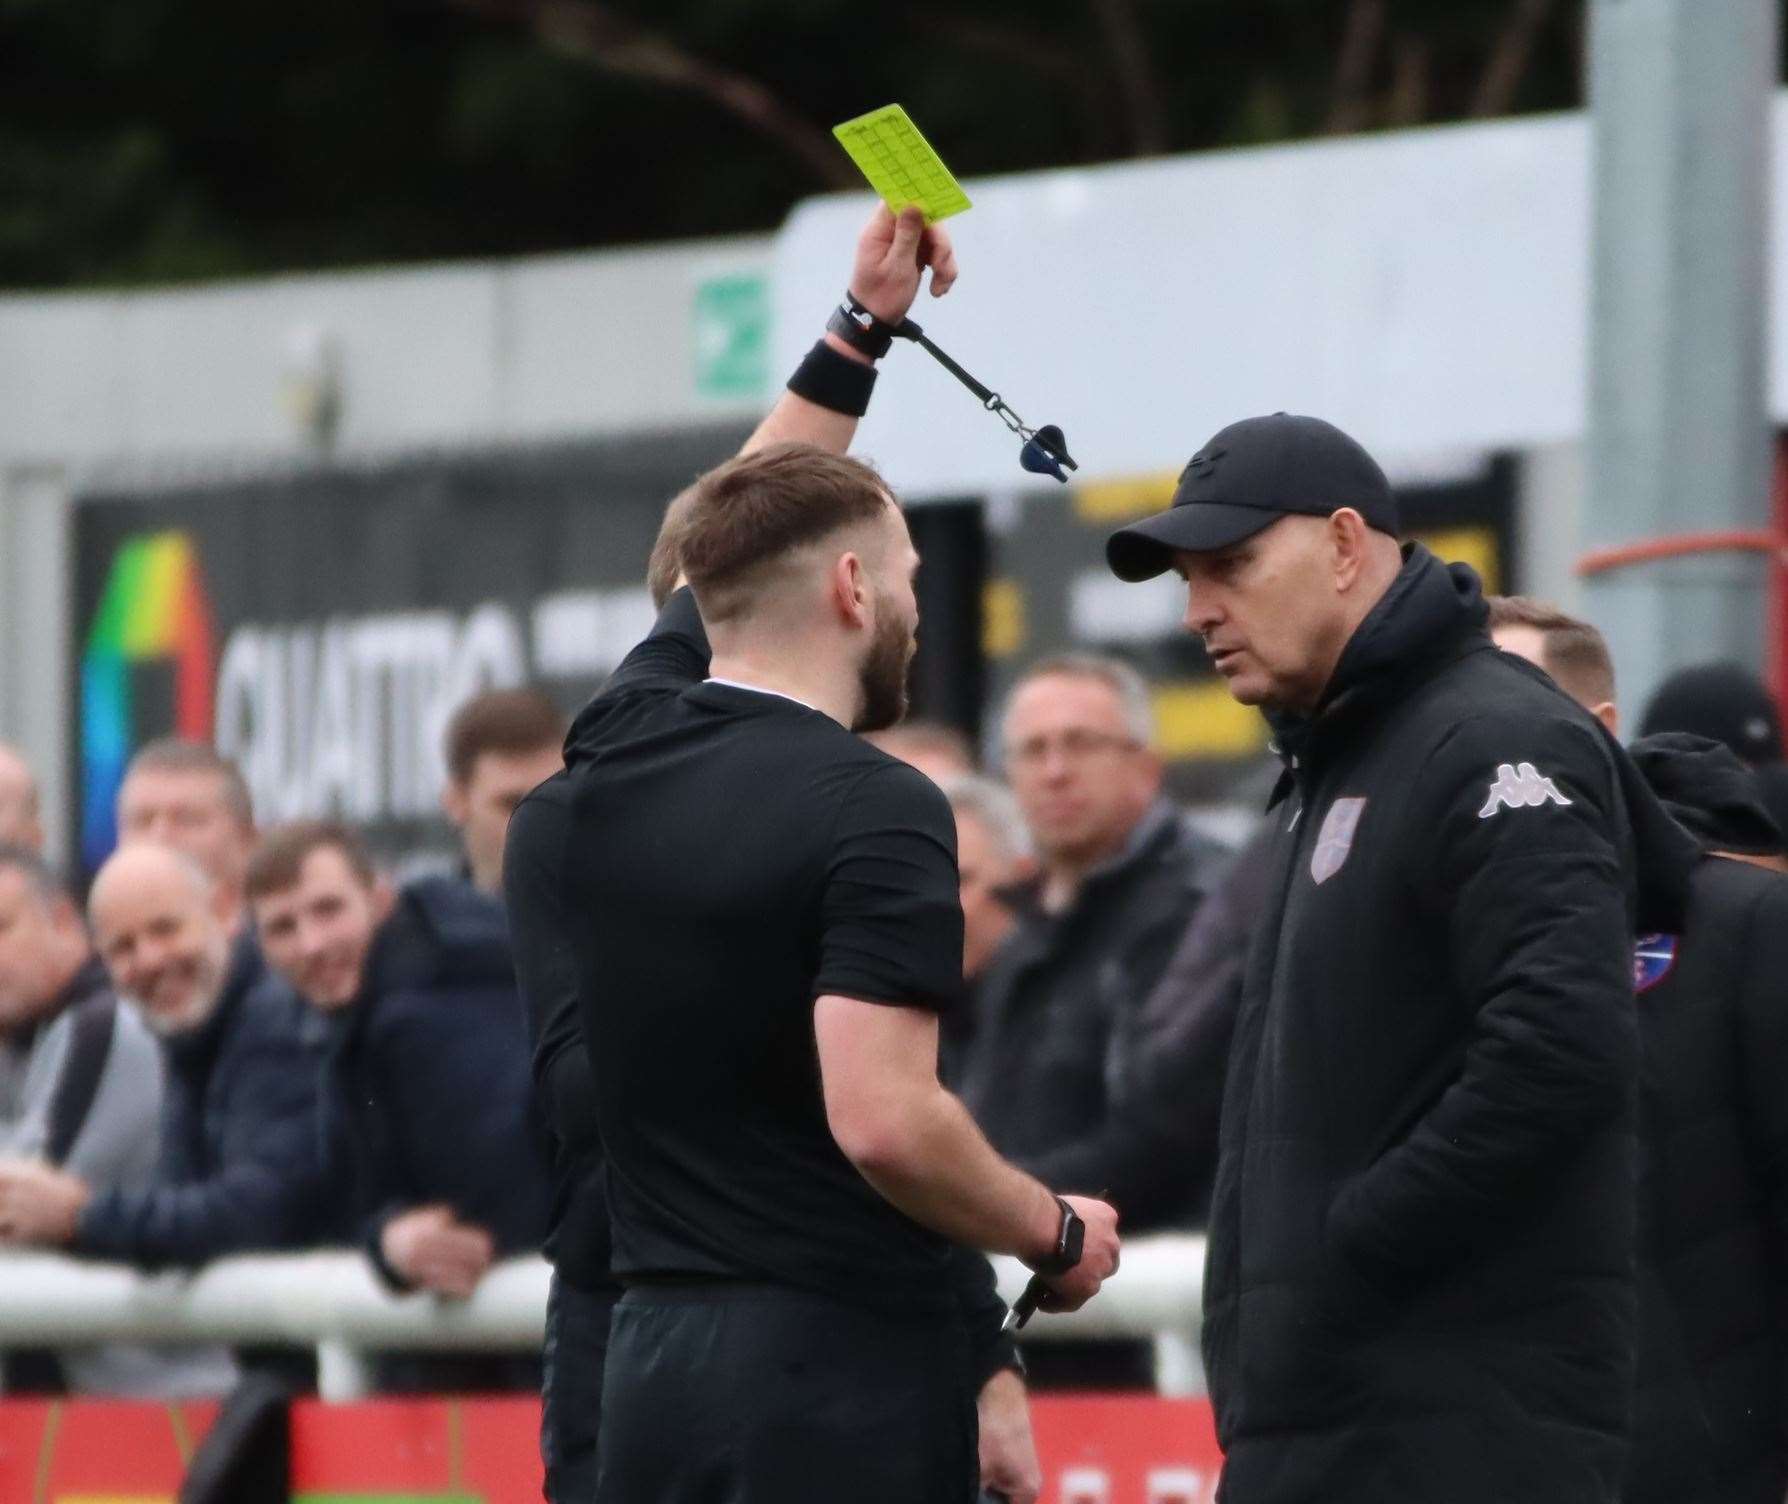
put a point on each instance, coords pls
(1420, 1283)
(758, 914)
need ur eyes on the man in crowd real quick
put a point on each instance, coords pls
(1709, 1423)
(1572, 652)
(993, 856)
(237, 1168)
(499, 745)
(1729, 704)
(20, 822)
(426, 1107)
(1420, 1283)
(1119, 875)
(80, 1091)
(713, 973)
(189, 797)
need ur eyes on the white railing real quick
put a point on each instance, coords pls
(332, 1301)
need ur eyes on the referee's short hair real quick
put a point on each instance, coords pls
(747, 516)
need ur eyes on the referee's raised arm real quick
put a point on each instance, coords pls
(831, 388)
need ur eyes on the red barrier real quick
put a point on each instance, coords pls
(1095, 1450)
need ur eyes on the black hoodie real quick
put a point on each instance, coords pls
(429, 1097)
(1420, 1281)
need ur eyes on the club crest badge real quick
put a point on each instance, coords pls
(1653, 958)
(1335, 839)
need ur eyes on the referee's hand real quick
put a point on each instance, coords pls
(892, 255)
(1098, 1257)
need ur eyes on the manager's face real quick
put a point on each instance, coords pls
(1268, 610)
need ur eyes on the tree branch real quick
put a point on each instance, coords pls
(1509, 58)
(1025, 48)
(1138, 88)
(594, 32)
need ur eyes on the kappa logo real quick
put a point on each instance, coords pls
(1335, 839)
(1522, 786)
(1201, 466)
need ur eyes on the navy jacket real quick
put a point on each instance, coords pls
(239, 1167)
(427, 1087)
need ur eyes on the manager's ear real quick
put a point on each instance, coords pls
(1609, 715)
(1349, 539)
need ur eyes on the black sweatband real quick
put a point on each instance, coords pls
(833, 381)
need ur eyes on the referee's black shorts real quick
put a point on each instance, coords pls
(755, 1394)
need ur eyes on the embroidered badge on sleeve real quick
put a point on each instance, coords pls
(1521, 786)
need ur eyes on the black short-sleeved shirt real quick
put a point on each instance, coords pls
(723, 857)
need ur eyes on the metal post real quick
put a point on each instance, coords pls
(343, 1372)
(1678, 424)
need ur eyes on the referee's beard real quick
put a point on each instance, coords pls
(883, 674)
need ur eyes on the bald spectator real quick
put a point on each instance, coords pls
(238, 1162)
(19, 801)
(80, 1091)
(500, 746)
(188, 796)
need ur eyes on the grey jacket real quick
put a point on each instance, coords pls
(114, 1142)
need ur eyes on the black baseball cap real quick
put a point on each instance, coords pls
(1723, 701)
(1248, 476)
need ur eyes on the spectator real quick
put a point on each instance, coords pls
(188, 796)
(19, 815)
(426, 1100)
(1709, 1416)
(1727, 703)
(937, 750)
(1120, 875)
(993, 855)
(1572, 652)
(500, 745)
(80, 1090)
(237, 1168)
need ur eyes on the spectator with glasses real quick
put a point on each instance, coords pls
(1119, 874)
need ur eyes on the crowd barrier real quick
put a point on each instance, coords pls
(332, 1302)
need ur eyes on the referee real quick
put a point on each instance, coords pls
(760, 913)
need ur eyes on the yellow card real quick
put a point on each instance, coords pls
(900, 164)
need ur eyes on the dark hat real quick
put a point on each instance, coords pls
(1724, 701)
(1248, 476)
(1708, 791)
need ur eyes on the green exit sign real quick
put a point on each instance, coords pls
(732, 336)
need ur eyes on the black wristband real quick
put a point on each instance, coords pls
(833, 381)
